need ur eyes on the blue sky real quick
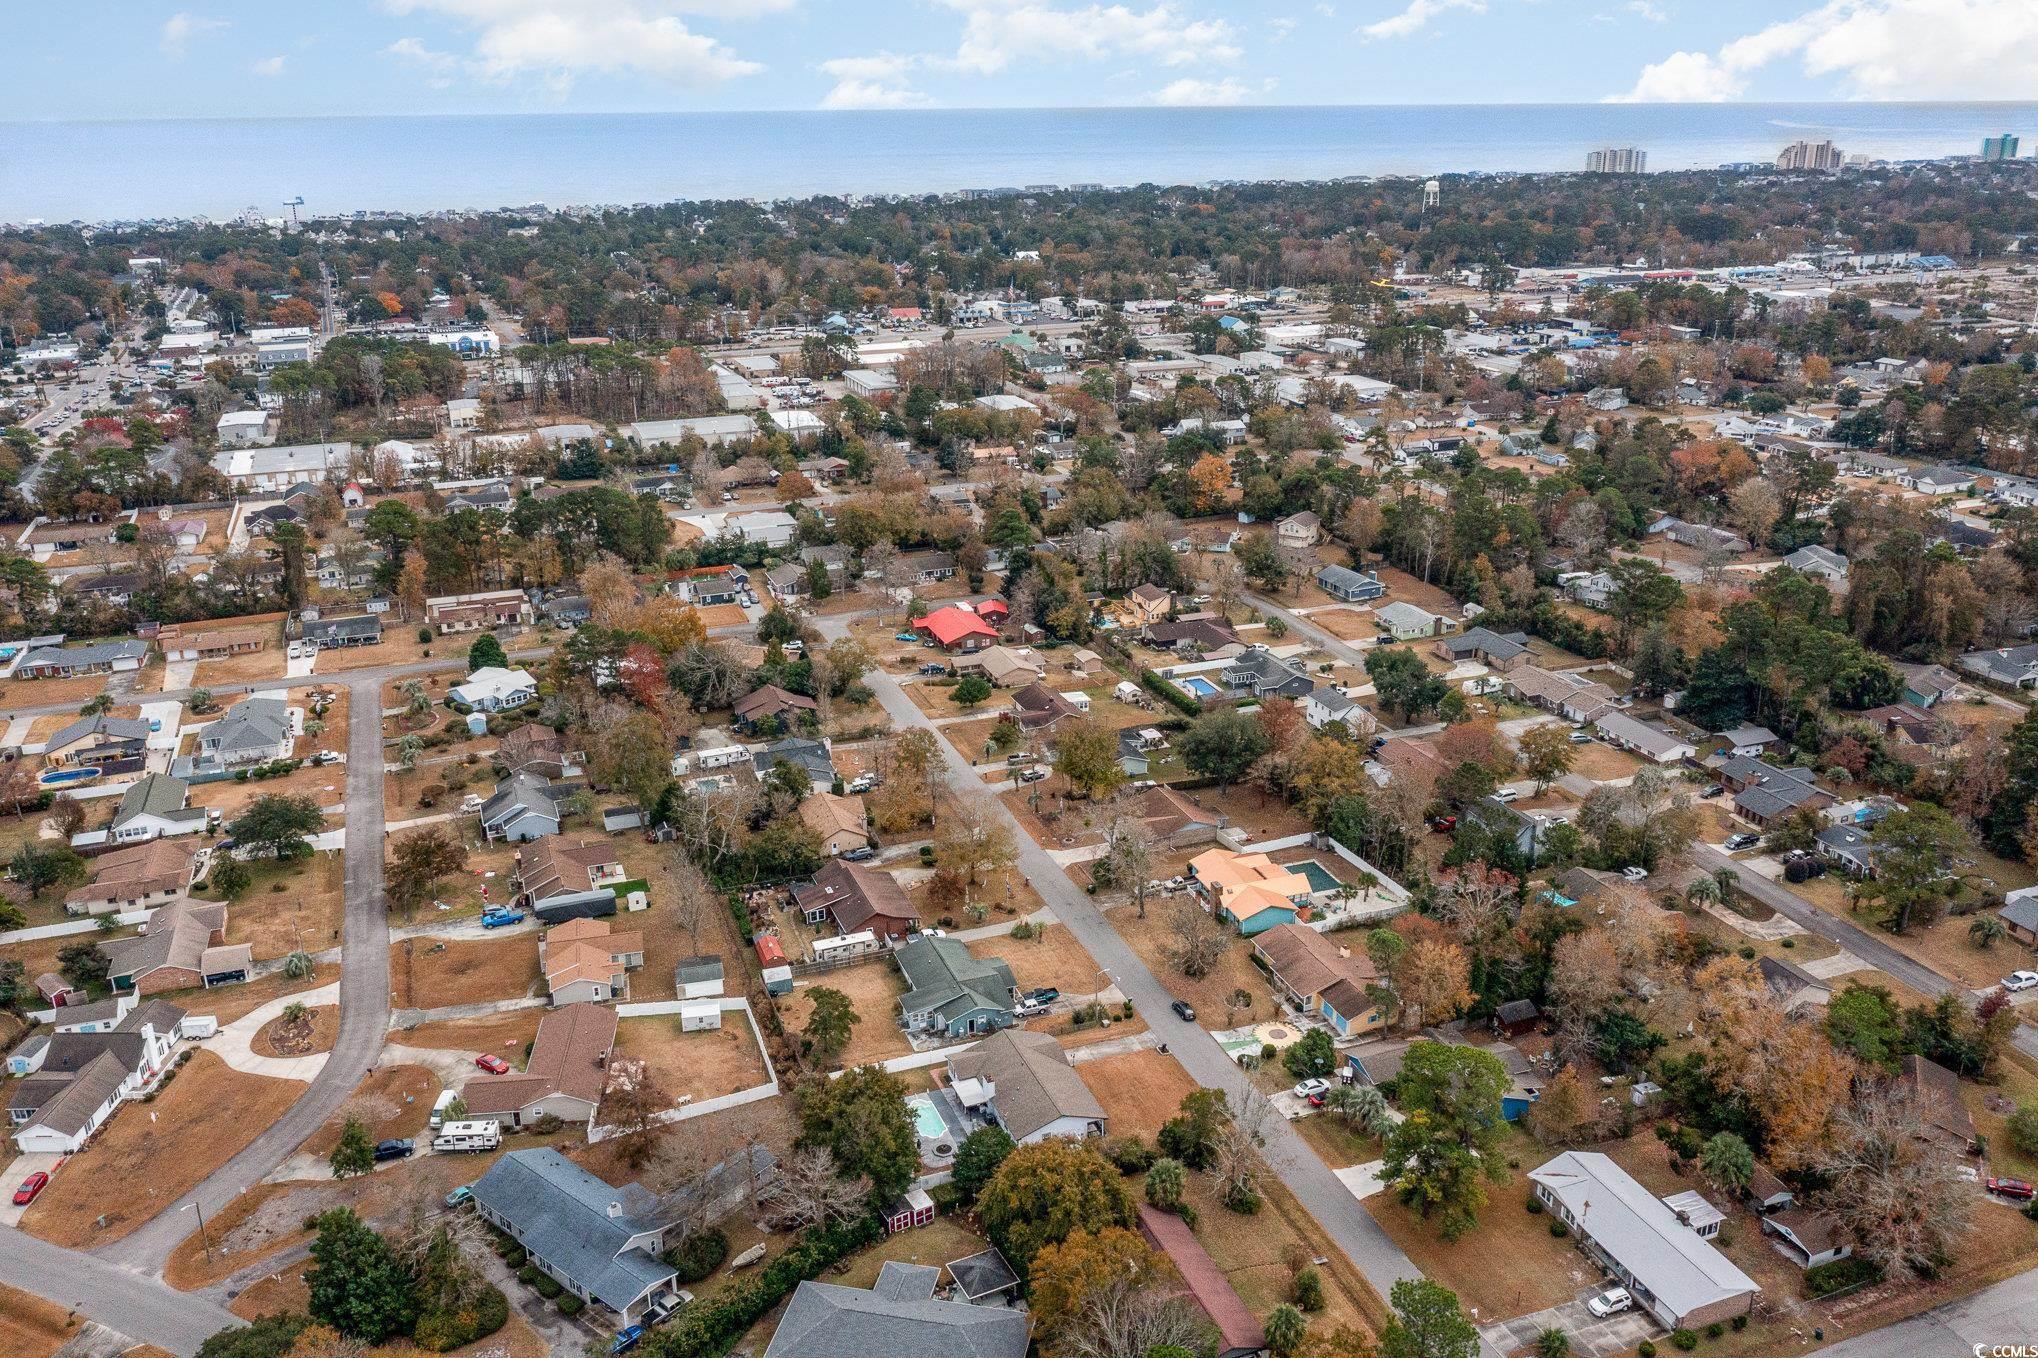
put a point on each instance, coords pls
(231, 58)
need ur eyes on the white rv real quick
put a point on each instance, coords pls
(468, 1136)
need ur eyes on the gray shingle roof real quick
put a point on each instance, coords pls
(826, 1321)
(945, 979)
(562, 1215)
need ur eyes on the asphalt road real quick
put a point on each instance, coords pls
(364, 1001)
(1377, 1257)
(139, 1307)
(2006, 1314)
(1297, 622)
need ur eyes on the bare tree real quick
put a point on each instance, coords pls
(632, 1103)
(1196, 939)
(1898, 1192)
(1239, 1140)
(1127, 863)
(1128, 1319)
(810, 1192)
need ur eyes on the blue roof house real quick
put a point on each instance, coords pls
(599, 1242)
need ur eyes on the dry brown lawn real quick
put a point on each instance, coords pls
(150, 1154)
(253, 667)
(873, 989)
(325, 785)
(693, 1066)
(321, 1027)
(723, 615)
(399, 646)
(391, 1100)
(1260, 816)
(497, 1033)
(229, 1002)
(279, 1293)
(1232, 972)
(1051, 958)
(669, 932)
(1260, 1256)
(291, 905)
(1943, 946)
(1346, 624)
(427, 973)
(49, 692)
(31, 1327)
(1601, 762)
(1139, 1090)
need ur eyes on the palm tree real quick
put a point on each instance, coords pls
(298, 965)
(408, 749)
(98, 704)
(1702, 890)
(1984, 929)
(1727, 880)
(419, 702)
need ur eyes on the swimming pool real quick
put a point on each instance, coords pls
(57, 777)
(1320, 878)
(927, 1119)
(1198, 687)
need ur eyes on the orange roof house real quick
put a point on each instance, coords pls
(1250, 890)
(955, 628)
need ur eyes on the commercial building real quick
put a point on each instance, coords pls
(1810, 155)
(1999, 148)
(1617, 160)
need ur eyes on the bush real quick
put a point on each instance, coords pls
(699, 1256)
(1130, 1155)
(1740, 1322)
(1646, 1349)
(1715, 1330)
(1559, 1229)
(710, 1325)
(1309, 1290)
(2024, 1128)
(1553, 1343)
(1169, 694)
(570, 1305)
(1683, 1340)
(947, 1199)
(441, 1331)
(513, 1255)
(528, 1275)
(547, 1286)
(1534, 1205)
(1827, 1279)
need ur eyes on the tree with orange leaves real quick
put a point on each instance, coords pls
(1433, 980)
(1209, 483)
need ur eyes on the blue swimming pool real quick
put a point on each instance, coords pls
(1198, 687)
(927, 1119)
(58, 777)
(1320, 878)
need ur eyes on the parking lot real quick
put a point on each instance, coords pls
(1590, 1336)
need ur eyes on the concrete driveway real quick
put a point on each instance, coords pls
(1590, 1336)
(42, 1162)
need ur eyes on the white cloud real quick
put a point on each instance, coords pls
(1279, 29)
(878, 81)
(1417, 17)
(439, 67)
(1874, 49)
(558, 40)
(998, 33)
(1192, 93)
(271, 66)
(1655, 14)
(180, 28)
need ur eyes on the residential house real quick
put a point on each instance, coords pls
(1208, 636)
(603, 1244)
(552, 867)
(951, 992)
(1342, 582)
(1324, 705)
(1701, 536)
(256, 471)
(1639, 737)
(1764, 793)
(522, 808)
(1519, 828)
(769, 528)
(1565, 692)
(810, 756)
(1004, 666)
(79, 1076)
(1926, 686)
(897, 1318)
(2020, 915)
(155, 808)
(1495, 650)
(927, 568)
(1848, 848)
(1748, 741)
(536, 749)
(2014, 666)
(185, 947)
(1298, 532)
(772, 703)
(1819, 562)
(1934, 1093)
(858, 898)
(1023, 1081)
(328, 634)
(452, 613)
(956, 629)
(1249, 891)
(495, 689)
(1936, 480)
(1259, 673)
(585, 962)
(99, 657)
(1809, 1238)
(99, 739)
(1144, 604)
(1405, 622)
(564, 1076)
(1319, 976)
(707, 586)
(1039, 708)
(1238, 1334)
(138, 878)
(218, 639)
(1591, 588)
(839, 821)
(1673, 1274)
(254, 731)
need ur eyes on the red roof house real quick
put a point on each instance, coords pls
(955, 628)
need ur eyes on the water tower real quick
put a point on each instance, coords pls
(1432, 195)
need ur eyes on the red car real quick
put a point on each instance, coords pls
(1443, 825)
(2009, 1188)
(493, 1064)
(32, 1185)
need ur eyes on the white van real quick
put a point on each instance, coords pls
(468, 1136)
(447, 1098)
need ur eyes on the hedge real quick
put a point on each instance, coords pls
(1169, 694)
(1839, 1275)
(707, 1328)
(699, 1256)
(442, 1331)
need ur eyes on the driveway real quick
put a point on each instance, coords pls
(1590, 1336)
(37, 1162)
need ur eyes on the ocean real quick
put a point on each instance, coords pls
(110, 171)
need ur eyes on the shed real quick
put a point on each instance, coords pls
(914, 1209)
(1516, 1017)
(698, 977)
(697, 1016)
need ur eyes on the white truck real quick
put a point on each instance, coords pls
(468, 1136)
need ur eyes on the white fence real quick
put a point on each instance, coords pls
(730, 1005)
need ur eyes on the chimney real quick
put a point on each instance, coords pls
(615, 1210)
(1343, 951)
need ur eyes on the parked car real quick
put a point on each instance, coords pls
(460, 1196)
(1184, 1011)
(32, 1185)
(862, 855)
(627, 1338)
(1443, 825)
(396, 1148)
(1635, 874)
(1032, 775)
(1507, 794)
(1710, 791)
(2020, 980)
(2012, 1188)
(931, 668)
(1611, 1302)
(1310, 1087)
(492, 1063)
(1744, 840)
(1581, 737)
(1046, 994)
(499, 918)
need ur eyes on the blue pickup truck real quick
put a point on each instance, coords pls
(499, 918)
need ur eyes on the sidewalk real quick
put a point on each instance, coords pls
(235, 1041)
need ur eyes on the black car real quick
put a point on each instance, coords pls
(397, 1149)
(1046, 994)
(1184, 1011)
